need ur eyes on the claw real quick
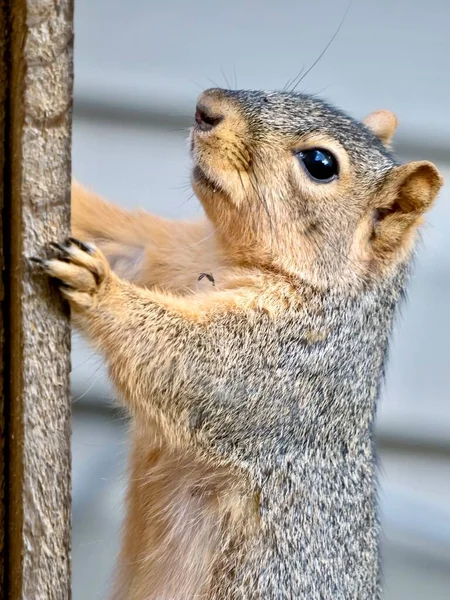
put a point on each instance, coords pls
(80, 245)
(38, 261)
(59, 247)
(61, 284)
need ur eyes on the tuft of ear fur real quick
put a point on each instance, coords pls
(383, 124)
(408, 192)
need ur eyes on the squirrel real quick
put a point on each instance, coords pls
(253, 389)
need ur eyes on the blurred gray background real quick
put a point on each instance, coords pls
(139, 66)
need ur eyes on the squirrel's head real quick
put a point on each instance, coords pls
(294, 184)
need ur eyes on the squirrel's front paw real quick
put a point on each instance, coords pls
(80, 271)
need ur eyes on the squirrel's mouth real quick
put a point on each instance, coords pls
(200, 178)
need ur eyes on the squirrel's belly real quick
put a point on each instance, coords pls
(174, 534)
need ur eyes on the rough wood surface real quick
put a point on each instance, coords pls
(3, 97)
(37, 184)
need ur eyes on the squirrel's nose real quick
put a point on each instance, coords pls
(206, 118)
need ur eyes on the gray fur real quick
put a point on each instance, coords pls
(298, 419)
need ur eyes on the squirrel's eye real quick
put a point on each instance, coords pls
(320, 164)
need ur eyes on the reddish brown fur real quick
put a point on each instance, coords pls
(178, 515)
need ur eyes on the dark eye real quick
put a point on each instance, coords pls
(320, 164)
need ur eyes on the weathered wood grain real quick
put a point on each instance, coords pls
(3, 101)
(36, 354)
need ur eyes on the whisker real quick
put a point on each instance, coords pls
(188, 199)
(225, 77)
(254, 182)
(333, 37)
(196, 84)
(182, 186)
(180, 129)
(242, 165)
(319, 92)
(257, 188)
(214, 84)
(243, 187)
(290, 82)
(235, 77)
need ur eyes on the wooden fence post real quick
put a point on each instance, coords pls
(36, 41)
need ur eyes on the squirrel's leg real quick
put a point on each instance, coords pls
(171, 365)
(144, 248)
(166, 354)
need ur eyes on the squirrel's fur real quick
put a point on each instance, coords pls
(253, 392)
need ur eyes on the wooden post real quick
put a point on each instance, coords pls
(36, 41)
(3, 102)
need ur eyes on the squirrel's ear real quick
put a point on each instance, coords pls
(408, 192)
(383, 124)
